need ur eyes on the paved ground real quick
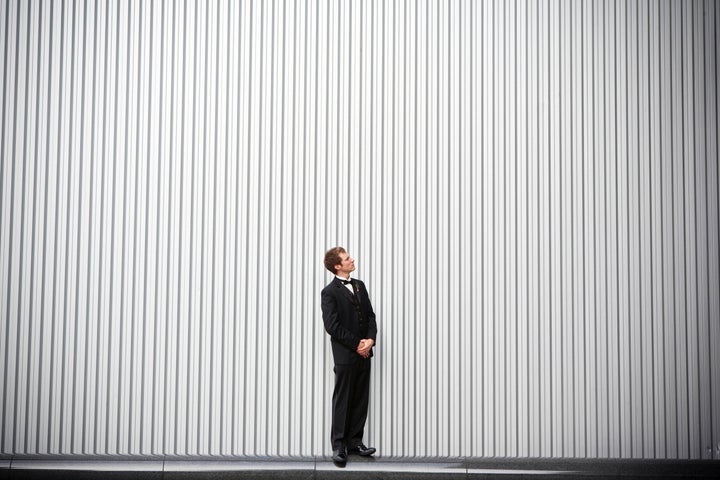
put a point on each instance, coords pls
(225, 468)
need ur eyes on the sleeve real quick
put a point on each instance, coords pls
(332, 324)
(372, 324)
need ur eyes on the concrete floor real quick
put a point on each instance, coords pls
(225, 468)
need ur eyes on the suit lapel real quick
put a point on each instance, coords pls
(346, 292)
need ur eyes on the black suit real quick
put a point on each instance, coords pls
(349, 318)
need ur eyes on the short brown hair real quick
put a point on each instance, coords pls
(332, 258)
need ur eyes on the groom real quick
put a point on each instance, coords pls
(350, 321)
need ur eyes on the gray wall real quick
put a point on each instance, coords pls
(530, 189)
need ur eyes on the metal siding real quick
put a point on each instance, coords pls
(530, 188)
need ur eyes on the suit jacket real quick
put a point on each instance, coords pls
(348, 319)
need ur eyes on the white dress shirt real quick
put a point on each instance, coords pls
(348, 285)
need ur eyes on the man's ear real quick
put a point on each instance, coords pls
(337, 267)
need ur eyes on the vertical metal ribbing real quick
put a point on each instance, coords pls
(21, 355)
(9, 443)
(6, 293)
(33, 364)
(532, 198)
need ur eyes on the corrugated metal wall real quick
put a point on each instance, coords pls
(530, 189)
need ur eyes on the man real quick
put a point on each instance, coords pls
(350, 321)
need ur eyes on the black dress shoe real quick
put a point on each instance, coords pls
(339, 457)
(362, 450)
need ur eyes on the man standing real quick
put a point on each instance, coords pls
(350, 321)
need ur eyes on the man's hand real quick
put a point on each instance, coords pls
(364, 347)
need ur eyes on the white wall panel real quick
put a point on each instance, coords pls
(530, 189)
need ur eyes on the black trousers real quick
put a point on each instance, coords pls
(350, 404)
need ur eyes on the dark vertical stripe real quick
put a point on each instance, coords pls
(551, 421)
(582, 248)
(79, 221)
(166, 447)
(303, 207)
(606, 224)
(662, 235)
(33, 253)
(128, 350)
(598, 107)
(688, 262)
(207, 369)
(226, 202)
(236, 329)
(506, 245)
(328, 221)
(213, 243)
(650, 232)
(415, 288)
(65, 366)
(336, 193)
(283, 168)
(246, 394)
(12, 215)
(675, 380)
(270, 198)
(639, 261)
(24, 158)
(68, 369)
(460, 192)
(427, 201)
(316, 190)
(191, 273)
(561, 310)
(159, 349)
(360, 119)
(539, 254)
(291, 366)
(707, 233)
(76, 302)
(348, 96)
(493, 325)
(527, 226)
(707, 238)
(627, 188)
(572, 237)
(694, 204)
(639, 226)
(86, 380)
(516, 372)
(617, 237)
(381, 143)
(42, 349)
(101, 243)
(176, 415)
(258, 234)
(407, 297)
(145, 412)
(715, 441)
(394, 310)
(437, 188)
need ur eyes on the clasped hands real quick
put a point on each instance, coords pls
(363, 348)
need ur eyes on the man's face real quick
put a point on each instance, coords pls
(346, 265)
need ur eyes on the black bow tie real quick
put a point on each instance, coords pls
(345, 282)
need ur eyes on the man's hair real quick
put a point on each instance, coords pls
(332, 258)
